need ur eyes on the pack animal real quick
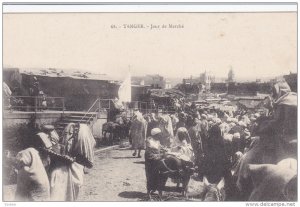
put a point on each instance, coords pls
(112, 130)
(172, 167)
(274, 182)
(213, 192)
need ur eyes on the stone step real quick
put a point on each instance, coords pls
(65, 123)
(82, 113)
(76, 119)
(79, 117)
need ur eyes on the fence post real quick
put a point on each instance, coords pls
(63, 103)
(99, 108)
(35, 104)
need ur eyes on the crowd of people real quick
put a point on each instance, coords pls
(209, 139)
(52, 168)
(215, 141)
(211, 142)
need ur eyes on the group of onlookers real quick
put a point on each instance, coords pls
(52, 169)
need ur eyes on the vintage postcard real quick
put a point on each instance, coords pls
(138, 102)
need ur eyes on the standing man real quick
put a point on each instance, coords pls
(153, 123)
(138, 133)
(34, 91)
(152, 157)
(280, 133)
(196, 142)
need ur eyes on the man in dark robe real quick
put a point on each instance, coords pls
(152, 157)
(196, 142)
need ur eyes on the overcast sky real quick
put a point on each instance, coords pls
(254, 44)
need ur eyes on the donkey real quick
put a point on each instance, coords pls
(172, 167)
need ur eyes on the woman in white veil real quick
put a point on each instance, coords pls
(66, 177)
(181, 146)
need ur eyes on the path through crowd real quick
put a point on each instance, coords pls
(118, 176)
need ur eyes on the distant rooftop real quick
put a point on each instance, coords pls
(76, 74)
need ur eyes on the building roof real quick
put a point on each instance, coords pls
(166, 93)
(53, 72)
(250, 104)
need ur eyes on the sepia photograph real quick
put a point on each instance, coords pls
(139, 102)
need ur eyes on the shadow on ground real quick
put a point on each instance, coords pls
(172, 189)
(154, 197)
(139, 162)
(124, 148)
(128, 157)
(133, 194)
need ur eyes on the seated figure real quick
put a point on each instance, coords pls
(181, 146)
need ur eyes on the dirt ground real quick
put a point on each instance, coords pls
(118, 176)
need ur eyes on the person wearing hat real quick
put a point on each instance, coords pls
(279, 135)
(153, 155)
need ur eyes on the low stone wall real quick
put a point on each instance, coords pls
(18, 127)
(16, 118)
